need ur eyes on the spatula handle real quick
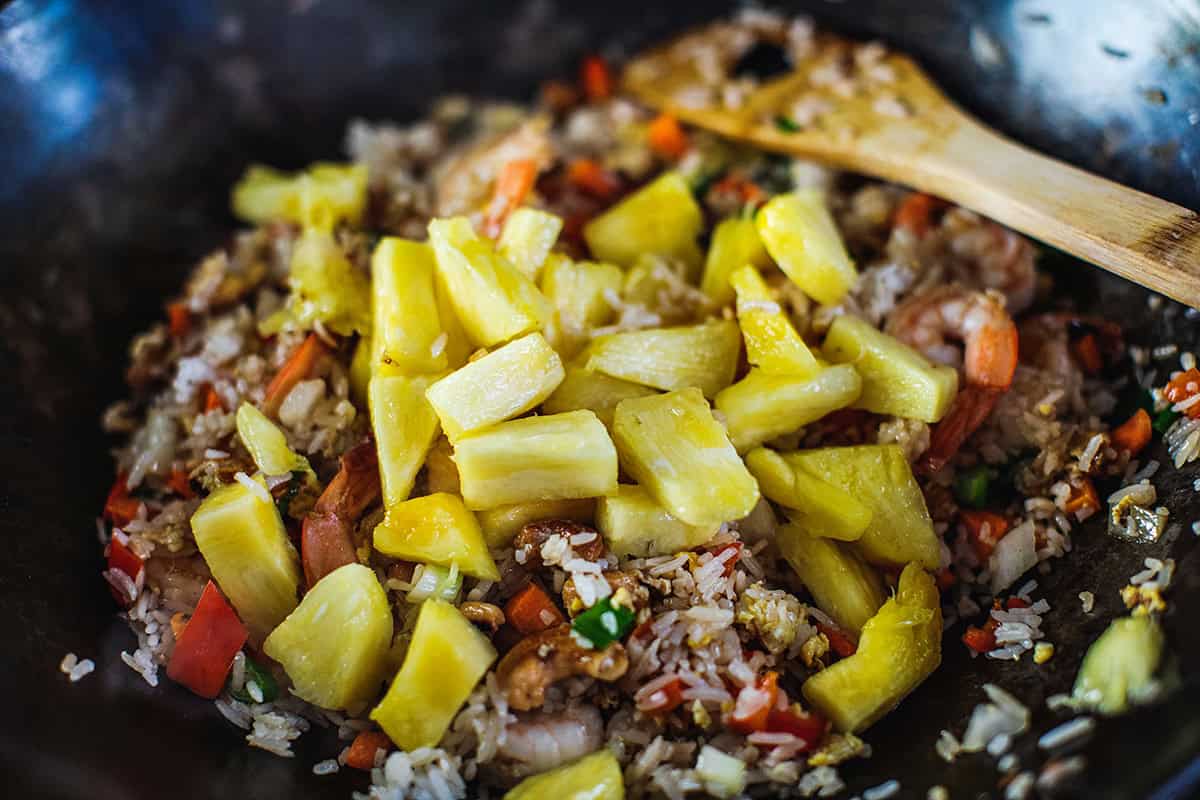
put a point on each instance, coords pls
(1137, 236)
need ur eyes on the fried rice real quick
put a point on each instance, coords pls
(712, 619)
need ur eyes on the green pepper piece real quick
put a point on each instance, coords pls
(1164, 419)
(268, 689)
(603, 623)
(971, 486)
(786, 124)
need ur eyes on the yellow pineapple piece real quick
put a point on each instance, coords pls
(844, 586)
(528, 236)
(899, 648)
(501, 524)
(633, 523)
(880, 477)
(447, 658)
(594, 777)
(761, 406)
(243, 541)
(441, 474)
(319, 197)
(897, 380)
(334, 646)
(556, 457)
(735, 243)
(492, 299)
(822, 508)
(326, 288)
(361, 364)
(594, 391)
(803, 240)
(772, 343)
(704, 356)
(436, 529)
(661, 218)
(579, 291)
(673, 446)
(405, 427)
(267, 444)
(406, 329)
(503, 384)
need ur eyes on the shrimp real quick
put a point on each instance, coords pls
(989, 338)
(326, 541)
(464, 185)
(990, 256)
(542, 741)
(539, 661)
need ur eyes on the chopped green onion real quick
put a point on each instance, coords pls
(786, 124)
(971, 486)
(1164, 419)
(431, 580)
(1119, 666)
(258, 687)
(603, 623)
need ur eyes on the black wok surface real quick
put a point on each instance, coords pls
(122, 126)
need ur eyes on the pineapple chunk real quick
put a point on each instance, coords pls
(594, 777)
(772, 343)
(493, 300)
(503, 384)
(634, 524)
(361, 364)
(556, 457)
(594, 391)
(879, 477)
(761, 407)
(267, 444)
(334, 646)
(527, 238)
(501, 524)
(735, 243)
(326, 288)
(822, 508)
(436, 529)
(406, 332)
(446, 659)
(405, 427)
(803, 240)
(458, 344)
(897, 380)
(661, 218)
(704, 356)
(899, 648)
(579, 292)
(673, 446)
(243, 541)
(441, 475)
(320, 197)
(844, 586)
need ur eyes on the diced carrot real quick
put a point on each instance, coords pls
(985, 529)
(1083, 498)
(596, 79)
(179, 319)
(1086, 350)
(513, 185)
(212, 401)
(298, 367)
(842, 644)
(593, 179)
(120, 508)
(754, 704)
(559, 95)
(1133, 434)
(180, 484)
(1185, 386)
(361, 754)
(531, 610)
(915, 212)
(667, 137)
(741, 187)
(205, 649)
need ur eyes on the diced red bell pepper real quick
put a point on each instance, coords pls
(985, 529)
(666, 699)
(204, 652)
(122, 559)
(1016, 602)
(596, 78)
(981, 640)
(1182, 387)
(179, 319)
(754, 704)
(736, 547)
(180, 484)
(120, 508)
(809, 727)
(842, 644)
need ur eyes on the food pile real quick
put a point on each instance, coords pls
(561, 450)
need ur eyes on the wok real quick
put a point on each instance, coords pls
(122, 125)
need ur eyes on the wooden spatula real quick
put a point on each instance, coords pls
(861, 108)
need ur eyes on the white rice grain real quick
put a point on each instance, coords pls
(1067, 735)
